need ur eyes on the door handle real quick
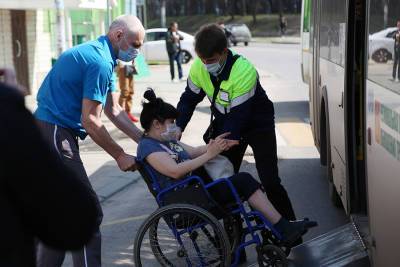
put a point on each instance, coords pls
(341, 102)
(19, 52)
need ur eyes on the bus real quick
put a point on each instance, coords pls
(348, 58)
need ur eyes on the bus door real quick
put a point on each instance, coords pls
(333, 34)
(383, 133)
(314, 86)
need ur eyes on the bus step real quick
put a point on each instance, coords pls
(340, 247)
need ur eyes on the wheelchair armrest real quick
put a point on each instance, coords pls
(185, 181)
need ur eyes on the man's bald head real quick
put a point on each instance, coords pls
(124, 31)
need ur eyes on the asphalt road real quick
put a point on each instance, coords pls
(301, 173)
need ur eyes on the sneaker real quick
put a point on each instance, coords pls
(175, 80)
(132, 118)
(183, 79)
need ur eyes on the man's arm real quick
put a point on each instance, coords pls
(119, 117)
(91, 121)
(187, 103)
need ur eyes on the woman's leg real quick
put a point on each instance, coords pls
(259, 201)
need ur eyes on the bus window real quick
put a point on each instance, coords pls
(384, 44)
(333, 31)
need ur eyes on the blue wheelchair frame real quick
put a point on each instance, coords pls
(248, 216)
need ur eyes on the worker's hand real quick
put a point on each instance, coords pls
(229, 143)
(126, 162)
(10, 79)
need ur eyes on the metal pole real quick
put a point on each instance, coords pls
(60, 26)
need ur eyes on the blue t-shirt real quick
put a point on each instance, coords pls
(84, 71)
(149, 145)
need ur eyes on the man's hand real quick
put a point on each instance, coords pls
(227, 142)
(126, 162)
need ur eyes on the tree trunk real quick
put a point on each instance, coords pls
(244, 7)
(385, 13)
(255, 3)
(163, 18)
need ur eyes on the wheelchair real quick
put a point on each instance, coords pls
(191, 229)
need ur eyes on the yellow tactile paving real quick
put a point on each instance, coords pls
(295, 132)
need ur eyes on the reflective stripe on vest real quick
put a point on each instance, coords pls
(193, 87)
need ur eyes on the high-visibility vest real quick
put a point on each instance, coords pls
(240, 86)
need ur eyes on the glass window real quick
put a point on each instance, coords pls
(333, 30)
(160, 36)
(150, 36)
(384, 44)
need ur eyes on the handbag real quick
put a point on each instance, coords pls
(219, 167)
(130, 70)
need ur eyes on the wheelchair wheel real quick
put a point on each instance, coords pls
(271, 256)
(270, 239)
(181, 235)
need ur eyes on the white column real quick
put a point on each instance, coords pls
(60, 26)
(68, 28)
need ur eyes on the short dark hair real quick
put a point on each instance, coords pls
(210, 39)
(173, 23)
(155, 109)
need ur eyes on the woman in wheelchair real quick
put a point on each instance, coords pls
(172, 160)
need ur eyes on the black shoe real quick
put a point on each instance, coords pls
(293, 230)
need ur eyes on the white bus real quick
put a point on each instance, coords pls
(348, 58)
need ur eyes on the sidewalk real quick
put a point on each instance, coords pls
(278, 40)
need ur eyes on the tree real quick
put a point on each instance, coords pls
(254, 10)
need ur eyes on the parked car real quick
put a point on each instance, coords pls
(240, 33)
(381, 45)
(154, 48)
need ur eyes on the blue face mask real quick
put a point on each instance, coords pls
(128, 54)
(213, 68)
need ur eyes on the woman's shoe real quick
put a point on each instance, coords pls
(292, 230)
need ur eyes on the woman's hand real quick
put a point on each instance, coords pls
(214, 148)
(228, 143)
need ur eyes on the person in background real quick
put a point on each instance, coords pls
(396, 59)
(71, 100)
(227, 32)
(126, 71)
(35, 187)
(172, 40)
(282, 24)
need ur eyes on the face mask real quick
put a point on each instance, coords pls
(128, 54)
(213, 68)
(171, 132)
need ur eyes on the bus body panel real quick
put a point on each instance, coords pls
(383, 170)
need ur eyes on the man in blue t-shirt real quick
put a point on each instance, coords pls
(71, 99)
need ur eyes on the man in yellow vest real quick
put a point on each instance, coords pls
(240, 107)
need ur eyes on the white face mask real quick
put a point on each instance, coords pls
(213, 68)
(171, 132)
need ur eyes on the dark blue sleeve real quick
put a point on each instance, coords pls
(187, 105)
(235, 121)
